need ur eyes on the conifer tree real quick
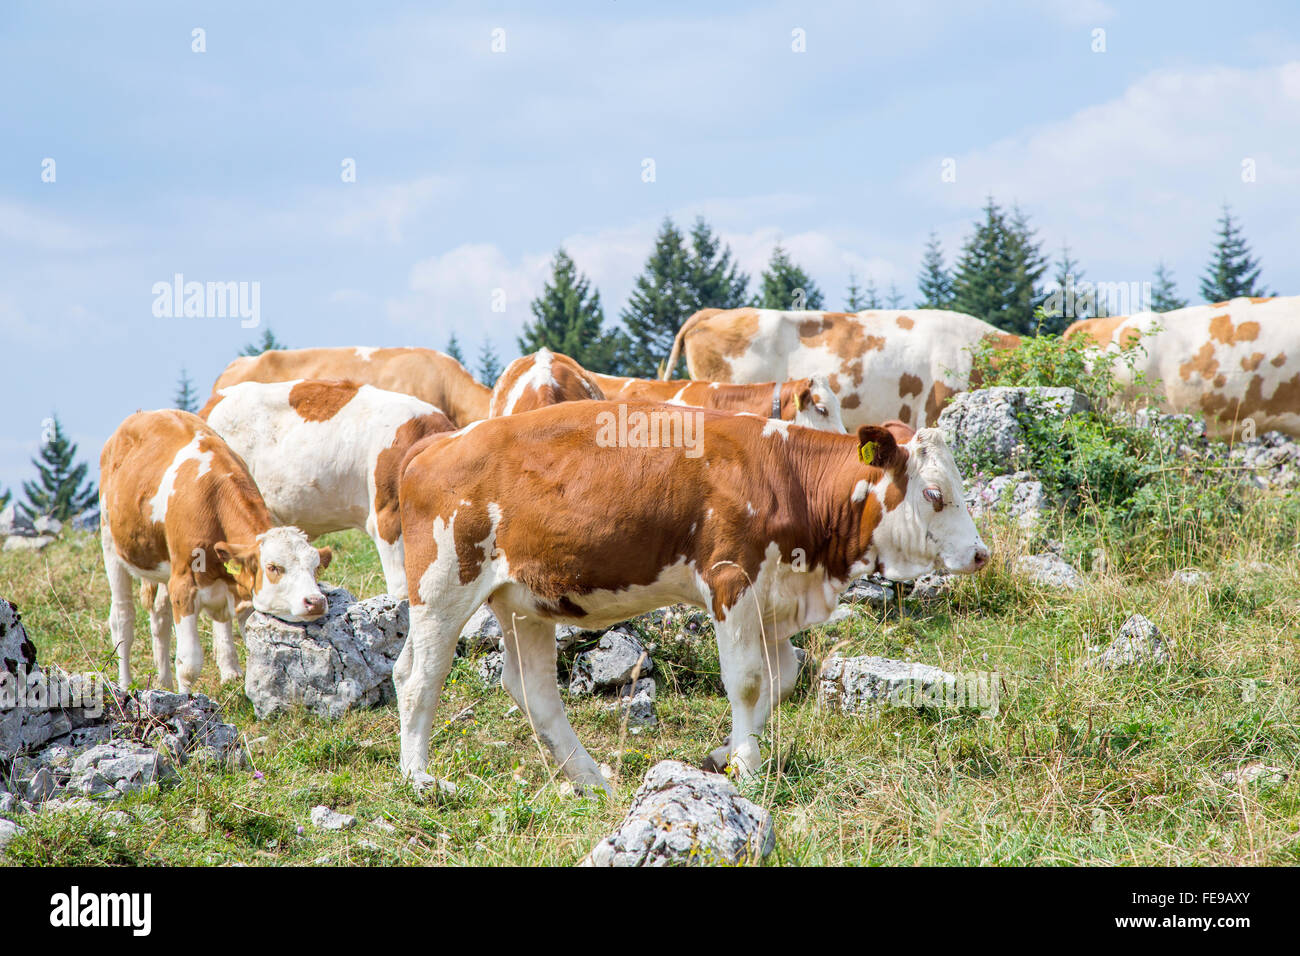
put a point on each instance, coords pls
(1164, 292)
(489, 364)
(786, 286)
(268, 342)
(61, 489)
(1232, 271)
(935, 281)
(186, 398)
(453, 349)
(568, 318)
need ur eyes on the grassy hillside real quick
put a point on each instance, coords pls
(1077, 767)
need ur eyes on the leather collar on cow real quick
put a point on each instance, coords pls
(776, 400)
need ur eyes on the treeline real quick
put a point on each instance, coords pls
(1000, 275)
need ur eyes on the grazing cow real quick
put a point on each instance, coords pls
(578, 514)
(1231, 361)
(178, 507)
(901, 364)
(807, 401)
(425, 373)
(543, 378)
(325, 455)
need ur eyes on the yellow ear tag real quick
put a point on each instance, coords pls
(867, 452)
(233, 569)
(797, 406)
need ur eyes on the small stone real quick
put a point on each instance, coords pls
(324, 818)
(1139, 642)
(1257, 772)
(610, 664)
(855, 685)
(16, 543)
(8, 830)
(1049, 570)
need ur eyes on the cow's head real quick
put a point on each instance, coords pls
(816, 405)
(924, 524)
(279, 572)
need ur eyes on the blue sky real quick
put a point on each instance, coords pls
(473, 166)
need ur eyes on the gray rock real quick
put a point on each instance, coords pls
(682, 815)
(344, 660)
(482, 633)
(930, 587)
(13, 521)
(324, 818)
(1019, 496)
(110, 770)
(611, 663)
(1190, 577)
(872, 590)
(1256, 772)
(983, 427)
(1139, 642)
(47, 524)
(8, 830)
(855, 685)
(490, 666)
(16, 543)
(637, 702)
(1049, 570)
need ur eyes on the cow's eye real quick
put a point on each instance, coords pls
(821, 408)
(274, 570)
(934, 496)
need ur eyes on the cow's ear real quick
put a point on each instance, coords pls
(326, 556)
(877, 447)
(225, 552)
(236, 558)
(803, 397)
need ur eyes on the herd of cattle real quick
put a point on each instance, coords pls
(818, 465)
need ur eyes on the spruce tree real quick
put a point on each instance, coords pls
(895, 298)
(1232, 270)
(715, 279)
(854, 300)
(1062, 309)
(870, 296)
(935, 281)
(1164, 292)
(786, 286)
(568, 318)
(662, 298)
(453, 349)
(997, 274)
(5, 496)
(268, 342)
(186, 399)
(489, 364)
(61, 489)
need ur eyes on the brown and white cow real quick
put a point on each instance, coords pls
(559, 515)
(543, 378)
(807, 401)
(883, 364)
(427, 374)
(325, 454)
(1232, 361)
(178, 507)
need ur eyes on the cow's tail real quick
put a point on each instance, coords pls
(666, 372)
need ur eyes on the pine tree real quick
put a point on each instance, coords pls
(1232, 270)
(267, 343)
(5, 496)
(59, 490)
(186, 399)
(935, 281)
(715, 279)
(870, 296)
(1063, 305)
(489, 364)
(568, 318)
(854, 300)
(786, 286)
(1164, 292)
(895, 298)
(662, 298)
(453, 349)
(997, 274)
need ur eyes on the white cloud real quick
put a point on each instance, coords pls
(38, 228)
(375, 213)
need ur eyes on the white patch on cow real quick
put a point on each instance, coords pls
(191, 452)
(775, 426)
(365, 351)
(749, 509)
(677, 398)
(539, 375)
(860, 491)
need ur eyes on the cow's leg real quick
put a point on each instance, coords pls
(121, 614)
(393, 560)
(528, 674)
(160, 628)
(185, 614)
(223, 645)
(420, 671)
(758, 667)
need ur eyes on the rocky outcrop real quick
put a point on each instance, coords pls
(684, 816)
(1019, 496)
(344, 660)
(985, 428)
(856, 685)
(1139, 642)
(1049, 570)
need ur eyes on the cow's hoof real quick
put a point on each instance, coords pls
(427, 784)
(709, 765)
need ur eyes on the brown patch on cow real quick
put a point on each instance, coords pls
(1252, 363)
(904, 322)
(1129, 338)
(1285, 399)
(715, 339)
(1261, 298)
(316, 401)
(1220, 380)
(1221, 329)
(909, 384)
(1204, 364)
(1219, 305)
(935, 401)
(905, 414)
(1101, 331)
(388, 471)
(844, 335)
(851, 400)
(1278, 359)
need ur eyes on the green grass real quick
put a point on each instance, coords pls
(1076, 767)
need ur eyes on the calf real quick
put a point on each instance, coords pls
(178, 507)
(428, 374)
(325, 454)
(882, 364)
(810, 402)
(1230, 361)
(571, 514)
(543, 378)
